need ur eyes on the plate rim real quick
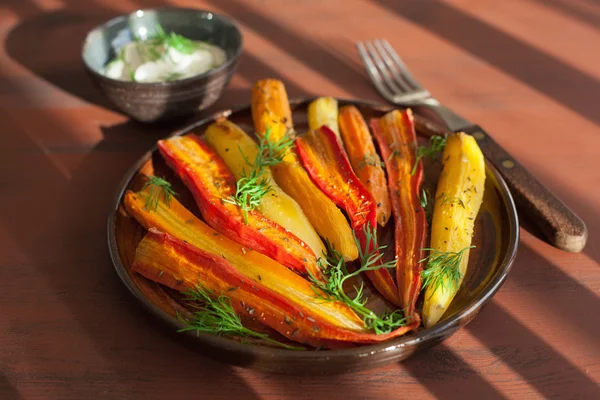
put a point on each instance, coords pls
(392, 347)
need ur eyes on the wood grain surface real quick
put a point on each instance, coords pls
(525, 70)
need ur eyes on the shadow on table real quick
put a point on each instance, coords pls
(318, 57)
(49, 45)
(7, 390)
(440, 368)
(81, 276)
(555, 78)
(538, 363)
(575, 11)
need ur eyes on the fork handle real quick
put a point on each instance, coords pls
(561, 226)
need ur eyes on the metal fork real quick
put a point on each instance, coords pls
(396, 84)
(563, 228)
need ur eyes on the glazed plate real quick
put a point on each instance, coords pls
(496, 238)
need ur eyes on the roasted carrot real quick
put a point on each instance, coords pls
(458, 198)
(271, 112)
(194, 254)
(212, 184)
(395, 134)
(364, 159)
(240, 152)
(327, 164)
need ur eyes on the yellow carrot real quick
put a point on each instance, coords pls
(458, 198)
(324, 111)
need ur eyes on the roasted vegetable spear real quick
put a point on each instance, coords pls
(240, 153)
(327, 164)
(364, 159)
(395, 134)
(324, 111)
(193, 254)
(213, 187)
(458, 198)
(271, 111)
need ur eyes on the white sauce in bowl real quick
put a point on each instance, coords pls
(164, 58)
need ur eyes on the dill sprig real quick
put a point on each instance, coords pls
(395, 152)
(215, 315)
(178, 42)
(442, 269)
(253, 186)
(270, 152)
(452, 200)
(173, 76)
(337, 274)
(149, 48)
(159, 187)
(249, 192)
(427, 205)
(370, 159)
(436, 145)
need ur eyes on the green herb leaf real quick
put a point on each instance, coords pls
(452, 200)
(215, 315)
(159, 187)
(272, 152)
(427, 205)
(337, 273)
(372, 160)
(178, 42)
(173, 76)
(253, 186)
(442, 270)
(395, 152)
(436, 145)
(250, 190)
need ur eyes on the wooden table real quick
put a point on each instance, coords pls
(525, 70)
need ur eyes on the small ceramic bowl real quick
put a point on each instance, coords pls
(149, 102)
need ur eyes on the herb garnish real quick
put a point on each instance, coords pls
(436, 145)
(173, 76)
(453, 200)
(395, 152)
(427, 205)
(337, 273)
(178, 42)
(215, 315)
(159, 187)
(370, 159)
(254, 185)
(442, 269)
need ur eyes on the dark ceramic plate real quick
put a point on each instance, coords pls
(496, 238)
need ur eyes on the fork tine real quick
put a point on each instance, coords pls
(396, 73)
(374, 72)
(406, 75)
(383, 70)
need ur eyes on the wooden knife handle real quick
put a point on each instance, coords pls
(561, 226)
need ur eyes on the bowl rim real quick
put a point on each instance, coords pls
(223, 67)
(392, 347)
